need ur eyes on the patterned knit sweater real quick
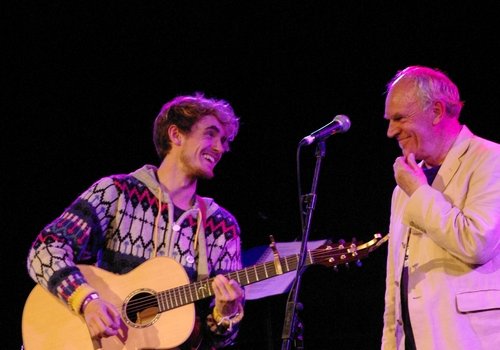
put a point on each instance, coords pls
(117, 224)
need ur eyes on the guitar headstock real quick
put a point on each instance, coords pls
(334, 254)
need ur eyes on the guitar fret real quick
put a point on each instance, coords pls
(176, 303)
(184, 294)
(246, 274)
(191, 293)
(286, 263)
(168, 300)
(267, 266)
(295, 261)
(203, 289)
(196, 291)
(172, 299)
(256, 273)
(209, 287)
(165, 301)
(159, 300)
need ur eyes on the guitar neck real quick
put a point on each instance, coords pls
(190, 293)
(329, 255)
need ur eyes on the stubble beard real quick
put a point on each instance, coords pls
(194, 172)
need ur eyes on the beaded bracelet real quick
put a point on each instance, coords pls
(230, 320)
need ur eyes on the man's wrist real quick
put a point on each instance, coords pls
(87, 300)
(230, 320)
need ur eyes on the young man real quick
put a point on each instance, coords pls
(122, 221)
(443, 264)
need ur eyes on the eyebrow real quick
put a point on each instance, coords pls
(396, 115)
(213, 127)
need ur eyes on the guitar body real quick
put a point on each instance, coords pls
(48, 324)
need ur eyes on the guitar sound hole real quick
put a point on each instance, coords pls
(141, 309)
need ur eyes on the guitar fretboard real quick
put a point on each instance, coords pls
(190, 293)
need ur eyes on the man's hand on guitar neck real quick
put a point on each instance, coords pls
(228, 296)
(102, 317)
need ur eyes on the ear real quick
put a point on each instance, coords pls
(439, 111)
(174, 135)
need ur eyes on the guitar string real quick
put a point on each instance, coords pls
(186, 294)
(183, 295)
(255, 274)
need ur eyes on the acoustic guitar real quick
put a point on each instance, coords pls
(155, 300)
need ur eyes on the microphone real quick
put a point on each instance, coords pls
(339, 124)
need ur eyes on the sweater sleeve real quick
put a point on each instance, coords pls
(74, 237)
(224, 254)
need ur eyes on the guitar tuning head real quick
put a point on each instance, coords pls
(341, 243)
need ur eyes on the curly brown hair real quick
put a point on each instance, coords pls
(185, 111)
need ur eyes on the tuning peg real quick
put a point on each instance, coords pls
(341, 243)
(359, 263)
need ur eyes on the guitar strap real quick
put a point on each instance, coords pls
(201, 242)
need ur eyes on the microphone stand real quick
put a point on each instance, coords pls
(292, 328)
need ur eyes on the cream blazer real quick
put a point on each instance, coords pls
(454, 253)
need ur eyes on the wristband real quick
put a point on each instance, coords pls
(230, 320)
(88, 299)
(77, 298)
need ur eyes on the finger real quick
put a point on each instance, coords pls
(109, 331)
(236, 288)
(97, 328)
(399, 162)
(222, 288)
(216, 286)
(115, 317)
(226, 290)
(411, 161)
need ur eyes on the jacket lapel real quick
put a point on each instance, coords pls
(453, 160)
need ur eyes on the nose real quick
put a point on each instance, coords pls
(392, 129)
(218, 145)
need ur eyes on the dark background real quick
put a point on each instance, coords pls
(84, 80)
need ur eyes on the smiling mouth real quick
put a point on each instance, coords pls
(402, 141)
(209, 158)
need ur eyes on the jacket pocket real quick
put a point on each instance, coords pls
(479, 300)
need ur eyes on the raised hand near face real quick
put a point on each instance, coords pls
(409, 176)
